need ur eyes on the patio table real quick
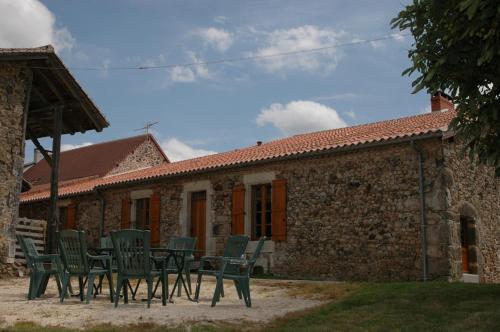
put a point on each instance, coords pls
(175, 254)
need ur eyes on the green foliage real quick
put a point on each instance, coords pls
(457, 50)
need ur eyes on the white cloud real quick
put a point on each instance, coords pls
(177, 150)
(219, 39)
(182, 75)
(301, 39)
(337, 96)
(190, 74)
(66, 147)
(300, 117)
(220, 19)
(29, 23)
(351, 114)
(425, 109)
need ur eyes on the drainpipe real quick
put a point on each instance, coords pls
(423, 216)
(103, 209)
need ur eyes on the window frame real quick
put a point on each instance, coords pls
(265, 211)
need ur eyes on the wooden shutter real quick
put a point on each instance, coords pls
(126, 203)
(154, 219)
(278, 205)
(238, 210)
(70, 216)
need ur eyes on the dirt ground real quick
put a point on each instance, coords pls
(270, 299)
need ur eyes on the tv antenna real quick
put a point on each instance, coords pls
(146, 127)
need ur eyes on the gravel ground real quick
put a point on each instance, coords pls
(270, 299)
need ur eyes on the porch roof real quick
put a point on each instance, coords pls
(53, 86)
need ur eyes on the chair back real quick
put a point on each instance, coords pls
(184, 242)
(258, 249)
(73, 250)
(29, 249)
(133, 251)
(235, 246)
(106, 242)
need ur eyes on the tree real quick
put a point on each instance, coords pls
(457, 50)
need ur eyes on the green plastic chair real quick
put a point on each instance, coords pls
(184, 242)
(41, 267)
(239, 271)
(79, 263)
(133, 255)
(105, 242)
(235, 249)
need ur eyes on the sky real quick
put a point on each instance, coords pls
(207, 108)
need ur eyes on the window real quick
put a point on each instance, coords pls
(141, 213)
(261, 211)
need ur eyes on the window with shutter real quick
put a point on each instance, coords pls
(238, 210)
(155, 219)
(279, 210)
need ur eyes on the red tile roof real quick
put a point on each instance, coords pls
(94, 160)
(418, 125)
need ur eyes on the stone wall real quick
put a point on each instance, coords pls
(350, 215)
(145, 155)
(472, 191)
(13, 90)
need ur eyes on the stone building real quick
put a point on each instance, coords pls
(390, 200)
(89, 164)
(38, 98)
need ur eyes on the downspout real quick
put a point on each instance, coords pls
(423, 215)
(101, 199)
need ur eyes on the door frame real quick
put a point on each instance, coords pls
(185, 213)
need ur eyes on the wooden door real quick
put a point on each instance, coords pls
(198, 219)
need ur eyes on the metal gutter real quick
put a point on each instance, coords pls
(423, 214)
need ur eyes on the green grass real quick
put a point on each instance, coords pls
(435, 306)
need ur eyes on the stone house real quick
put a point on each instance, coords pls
(390, 200)
(38, 98)
(91, 163)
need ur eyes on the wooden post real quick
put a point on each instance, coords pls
(53, 225)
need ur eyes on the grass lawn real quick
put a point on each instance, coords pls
(435, 306)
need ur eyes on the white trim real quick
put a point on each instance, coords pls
(185, 213)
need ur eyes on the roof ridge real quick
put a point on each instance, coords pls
(105, 142)
(310, 133)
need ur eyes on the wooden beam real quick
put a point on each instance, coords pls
(50, 84)
(53, 226)
(40, 148)
(52, 106)
(76, 95)
(39, 94)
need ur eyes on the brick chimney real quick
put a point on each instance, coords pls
(441, 101)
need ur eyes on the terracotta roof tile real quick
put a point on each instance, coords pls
(300, 144)
(93, 160)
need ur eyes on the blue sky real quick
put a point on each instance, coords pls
(223, 106)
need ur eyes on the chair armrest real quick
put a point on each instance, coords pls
(238, 261)
(98, 257)
(212, 258)
(42, 258)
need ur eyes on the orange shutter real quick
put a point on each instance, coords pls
(71, 216)
(154, 219)
(126, 203)
(279, 209)
(238, 210)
